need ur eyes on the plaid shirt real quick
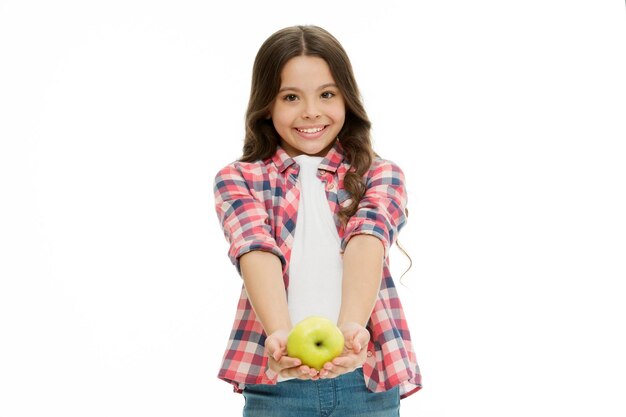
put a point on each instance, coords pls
(257, 203)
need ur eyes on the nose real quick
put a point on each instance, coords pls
(310, 111)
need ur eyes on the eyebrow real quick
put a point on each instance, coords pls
(321, 87)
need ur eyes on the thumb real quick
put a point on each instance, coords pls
(278, 353)
(352, 342)
(274, 348)
(360, 339)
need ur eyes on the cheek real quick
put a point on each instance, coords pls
(338, 112)
(282, 117)
(339, 116)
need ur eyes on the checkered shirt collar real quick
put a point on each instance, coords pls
(330, 163)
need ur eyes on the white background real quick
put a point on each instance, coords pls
(116, 293)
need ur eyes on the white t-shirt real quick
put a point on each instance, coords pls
(315, 267)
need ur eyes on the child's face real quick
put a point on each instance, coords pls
(309, 110)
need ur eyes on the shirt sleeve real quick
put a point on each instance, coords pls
(382, 210)
(244, 219)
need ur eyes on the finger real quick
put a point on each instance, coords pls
(350, 362)
(289, 362)
(284, 362)
(345, 361)
(300, 372)
(327, 370)
(332, 370)
(273, 365)
(361, 339)
(273, 348)
(355, 343)
(335, 371)
(277, 355)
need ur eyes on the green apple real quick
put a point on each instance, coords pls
(315, 341)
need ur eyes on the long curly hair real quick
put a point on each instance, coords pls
(261, 138)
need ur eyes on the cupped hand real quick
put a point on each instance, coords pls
(281, 364)
(354, 352)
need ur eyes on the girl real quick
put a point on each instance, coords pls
(310, 212)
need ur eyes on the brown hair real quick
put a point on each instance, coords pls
(261, 138)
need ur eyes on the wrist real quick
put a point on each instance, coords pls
(285, 328)
(347, 318)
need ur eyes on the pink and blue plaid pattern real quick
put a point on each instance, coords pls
(257, 203)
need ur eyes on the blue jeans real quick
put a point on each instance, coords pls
(344, 396)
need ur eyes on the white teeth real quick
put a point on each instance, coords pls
(314, 130)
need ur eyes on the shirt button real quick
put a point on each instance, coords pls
(370, 353)
(331, 186)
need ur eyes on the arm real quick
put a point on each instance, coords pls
(262, 277)
(258, 259)
(362, 272)
(243, 217)
(366, 241)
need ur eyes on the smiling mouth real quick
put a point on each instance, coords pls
(311, 130)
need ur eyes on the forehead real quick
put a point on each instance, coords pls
(306, 70)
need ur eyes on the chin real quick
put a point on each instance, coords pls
(320, 150)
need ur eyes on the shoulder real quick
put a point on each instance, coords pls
(382, 163)
(385, 170)
(242, 170)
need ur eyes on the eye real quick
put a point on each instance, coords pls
(328, 94)
(290, 97)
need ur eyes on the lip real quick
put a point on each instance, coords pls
(314, 135)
